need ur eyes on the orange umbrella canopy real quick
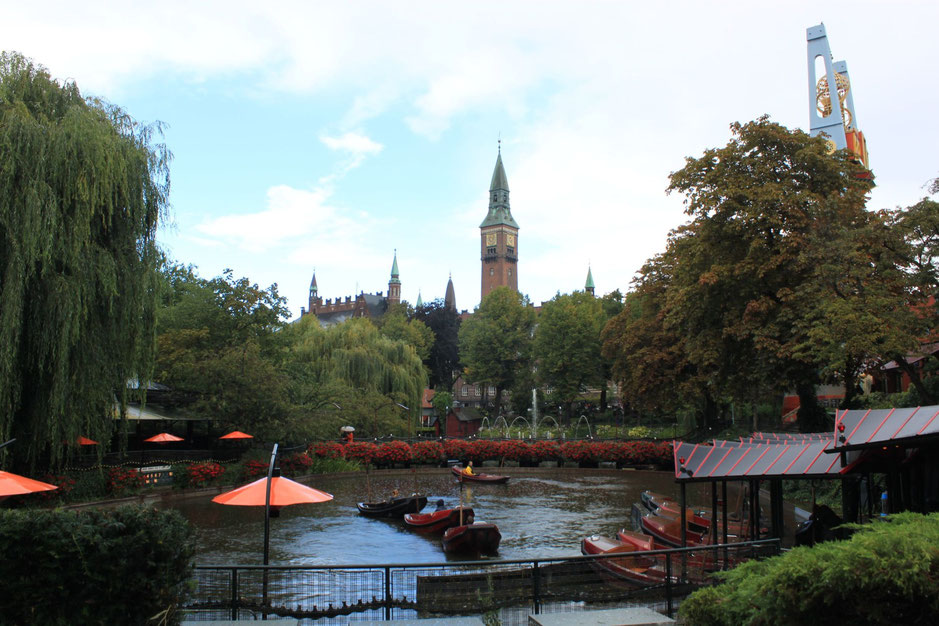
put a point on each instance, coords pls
(237, 434)
(85, 441)
(283, 493)
(163, 438)
(14, 485)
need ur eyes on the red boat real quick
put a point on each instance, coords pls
(666, 530)
(472, 539)
(438, 521)
(634, 567)
(698, 521)
(479, 478)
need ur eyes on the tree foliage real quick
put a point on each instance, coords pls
(444, 358)
(399, 323)
(82, 188)
(495, 343)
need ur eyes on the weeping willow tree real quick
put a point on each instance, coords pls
(82, 187)
(354, 367)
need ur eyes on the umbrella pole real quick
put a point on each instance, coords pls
(461, 500)
(368, 482)
(267, 524)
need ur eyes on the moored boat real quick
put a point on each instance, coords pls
(632, 567)
(393, 507)
(438, 521)
(472, 539)
(479, 478)
(666, 530)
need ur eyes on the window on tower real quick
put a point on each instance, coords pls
(509, 250)
(491, 250)
(492, 271)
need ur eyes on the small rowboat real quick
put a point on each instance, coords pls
(665, 530)
(479, 478)
(632, 567)
(394, 507)
(472, 539)
(438, 521)
(698, 521)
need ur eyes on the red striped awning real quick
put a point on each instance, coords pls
(740, 460)
(869, 428)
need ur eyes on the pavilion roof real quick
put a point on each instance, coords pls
(870, 428)
(741, 460)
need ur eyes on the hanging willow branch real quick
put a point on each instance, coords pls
(82, 187)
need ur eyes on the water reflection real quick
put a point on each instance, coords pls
(541, 513)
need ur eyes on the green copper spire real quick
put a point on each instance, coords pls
(420, 302)
(589, 286)
(499, 210)
(394, 269)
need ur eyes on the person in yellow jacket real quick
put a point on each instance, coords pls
(468, 470)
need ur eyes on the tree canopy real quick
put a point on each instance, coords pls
(82, 189)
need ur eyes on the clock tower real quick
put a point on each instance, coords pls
(498, 236)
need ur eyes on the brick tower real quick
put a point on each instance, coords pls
(498, 235)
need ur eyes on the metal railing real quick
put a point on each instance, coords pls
(512, 589)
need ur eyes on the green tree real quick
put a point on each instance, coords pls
(82, 188)
(495, 343)
(444, 358)
(567, 346)
(399, 323)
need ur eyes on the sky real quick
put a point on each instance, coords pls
(330, 136)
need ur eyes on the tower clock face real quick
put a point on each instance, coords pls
(510, 239)
(490, 239)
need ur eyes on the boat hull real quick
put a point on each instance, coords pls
(393, 508)
(632, 567)
(493, 479)
(472, 539)
(438, 521)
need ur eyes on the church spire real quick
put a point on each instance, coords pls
(420, 302)
(499, 210)
(589, 286)
(394, 285)
(449, 300)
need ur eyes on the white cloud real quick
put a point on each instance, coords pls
(356, 143)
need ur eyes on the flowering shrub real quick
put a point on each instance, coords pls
(393, 452)
(121, 480)
(427, 452)
(456, 449)
(200, 474)
(580, 451)
(361, 451)
(545, 451)
(64, 484)
(255, 469)
(326, 450)
(296, 464)
(516, 450)
(481, 450)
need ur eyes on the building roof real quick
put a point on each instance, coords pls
(738, 460)
(427, 398)
(394, 269)
(499, 179)
(872, 428)
(467, 413)
(589, 284)
(499, 211)
(449, 300)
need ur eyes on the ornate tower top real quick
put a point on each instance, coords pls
(313, 289)
(589, 286)
(394, 285)
(394, 269)
(449, 300)
(420, 302)
(499, 211)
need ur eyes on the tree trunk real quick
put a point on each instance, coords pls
(812, 417)
(603, 397)
(925, 398)
(709, 415)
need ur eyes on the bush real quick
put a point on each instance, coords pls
(885, 574)
(360, 451)
(326, 450)
(392, 452)
(203, 474)
(581, 451)
(480, 450)
(516, 450)
(296, 464)
(456, 449)
(545, 451)
(123, 481)
(427, 452)
(118, 566)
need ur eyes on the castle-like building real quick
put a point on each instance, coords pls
(498, 243)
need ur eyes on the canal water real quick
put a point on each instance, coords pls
(541, 513)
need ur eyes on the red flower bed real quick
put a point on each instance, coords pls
(481, 450)
(64, 484)
(255, 469)
(361, 451)
(580, 451)
(456, 449)
(427, 452)
(296, 464)
(393, 452)
(200, 474)
(326, 450)
(516, 450)
(120, 480)
(545, 451)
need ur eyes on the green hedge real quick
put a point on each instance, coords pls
(122, 566)
(887, 573)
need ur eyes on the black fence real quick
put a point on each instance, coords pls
(511, 589)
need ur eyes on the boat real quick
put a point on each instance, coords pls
(666, 530)
(633, 567)
(393, 507)
(698, 521)
(472, 539)
(438, 521)
(494, 479)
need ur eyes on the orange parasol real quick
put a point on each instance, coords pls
(284, 492)
(237, 434)
(85, 441)
(163, 438)
(14, 485)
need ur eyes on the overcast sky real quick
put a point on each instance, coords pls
(327, 135)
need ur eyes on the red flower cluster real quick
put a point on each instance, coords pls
(203, 473)
(456, 448)
(516, 450)
(326, 450)
(296, 464)
(361, 451)
(427, 452)
(545, 450)
(64, 484)
(483, 450)
(580, 451)
(255, 469)
(392, 452)
(120, 480)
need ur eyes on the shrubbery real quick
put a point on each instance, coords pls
(886, 573)
(119, 566)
